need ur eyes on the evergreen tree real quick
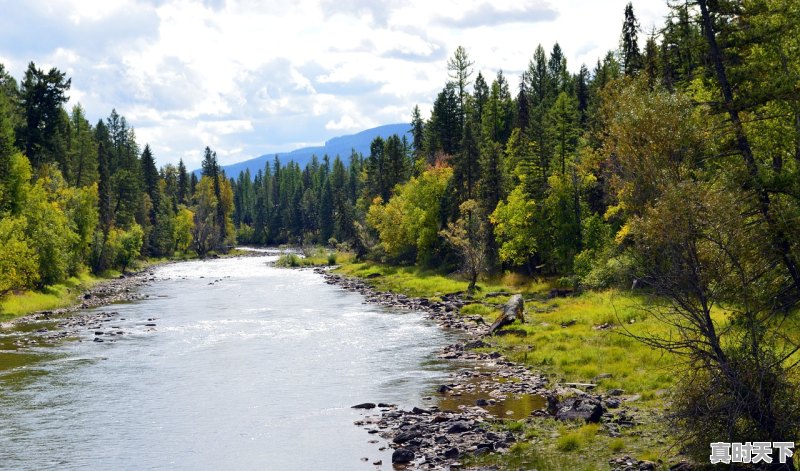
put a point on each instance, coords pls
(42, 95)
(417, 131)
(650, 61)
(446, 123)
(523, 115)
(150, 175)
(559, 79)
(629, 46)
(498, 112)
(582, 93)
(459, 68)
(466, 164)
(397, 165)
(481, 94)
(184, 192)
(83, 152)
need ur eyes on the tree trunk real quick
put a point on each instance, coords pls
(779, 241)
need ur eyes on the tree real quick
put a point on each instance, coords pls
(42, 95)
(446, 123)
(513, 226)
(150, 175)
(498, 112)
(699, 243)
(582, 94)
(376, 167)
(562, 129)
(467, 235)
(81, 208)
(48, 230)
(7, 148)
(480, 95)
(184, 228)
(417, 131)
(184, 192)
(212, 170)
(19, 262)
(459, 68)
(208, 235)
(779, 240)
(466, 163)
(128, 245)
(83, 149)
(629, 43)
(408, 224)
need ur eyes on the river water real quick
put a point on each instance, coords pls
(247, 367)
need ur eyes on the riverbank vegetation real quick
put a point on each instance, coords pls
(77, 200)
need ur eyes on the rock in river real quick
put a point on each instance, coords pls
(401, 455)
(366, 405)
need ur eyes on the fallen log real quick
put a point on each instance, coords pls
(512, 311)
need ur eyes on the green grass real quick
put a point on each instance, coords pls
(579, 353)
(52, 297)
(314, 258)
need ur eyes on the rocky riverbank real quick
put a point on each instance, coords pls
(61, 323)
(485, 389)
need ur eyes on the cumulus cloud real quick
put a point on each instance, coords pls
(488, 14)
(248, 77)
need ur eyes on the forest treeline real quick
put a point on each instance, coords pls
(676, 165)
(76, 196)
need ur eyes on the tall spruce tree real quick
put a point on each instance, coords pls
(629, 44)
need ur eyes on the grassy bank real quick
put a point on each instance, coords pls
(577, 339)
(52, 297)
(314, 257)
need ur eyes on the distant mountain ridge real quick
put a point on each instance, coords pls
(341, 146)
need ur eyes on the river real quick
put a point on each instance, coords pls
(247, 367)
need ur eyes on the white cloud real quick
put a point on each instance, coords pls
(345, 123)
(249, 77)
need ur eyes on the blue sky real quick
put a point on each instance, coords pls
(251, 77)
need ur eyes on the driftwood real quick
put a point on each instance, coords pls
(512, 311)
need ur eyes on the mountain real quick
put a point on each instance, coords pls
(341, 146)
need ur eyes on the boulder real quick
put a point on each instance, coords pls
(459, 427)
(586, 409)
(452, 453)
(366, 405)
(402, 456)
(403, 437)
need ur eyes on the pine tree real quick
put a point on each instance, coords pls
(104, 190)
(650, 61)
(446, 123)
(481, 94)
(629, 50)
(83, 149)
(150, 176)
(417, 130)
(558, 74)
(42, 95)
(498, 113)
(523, 115)
(459, 68)
(582, 93)
(184, 192)
(466, 164)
